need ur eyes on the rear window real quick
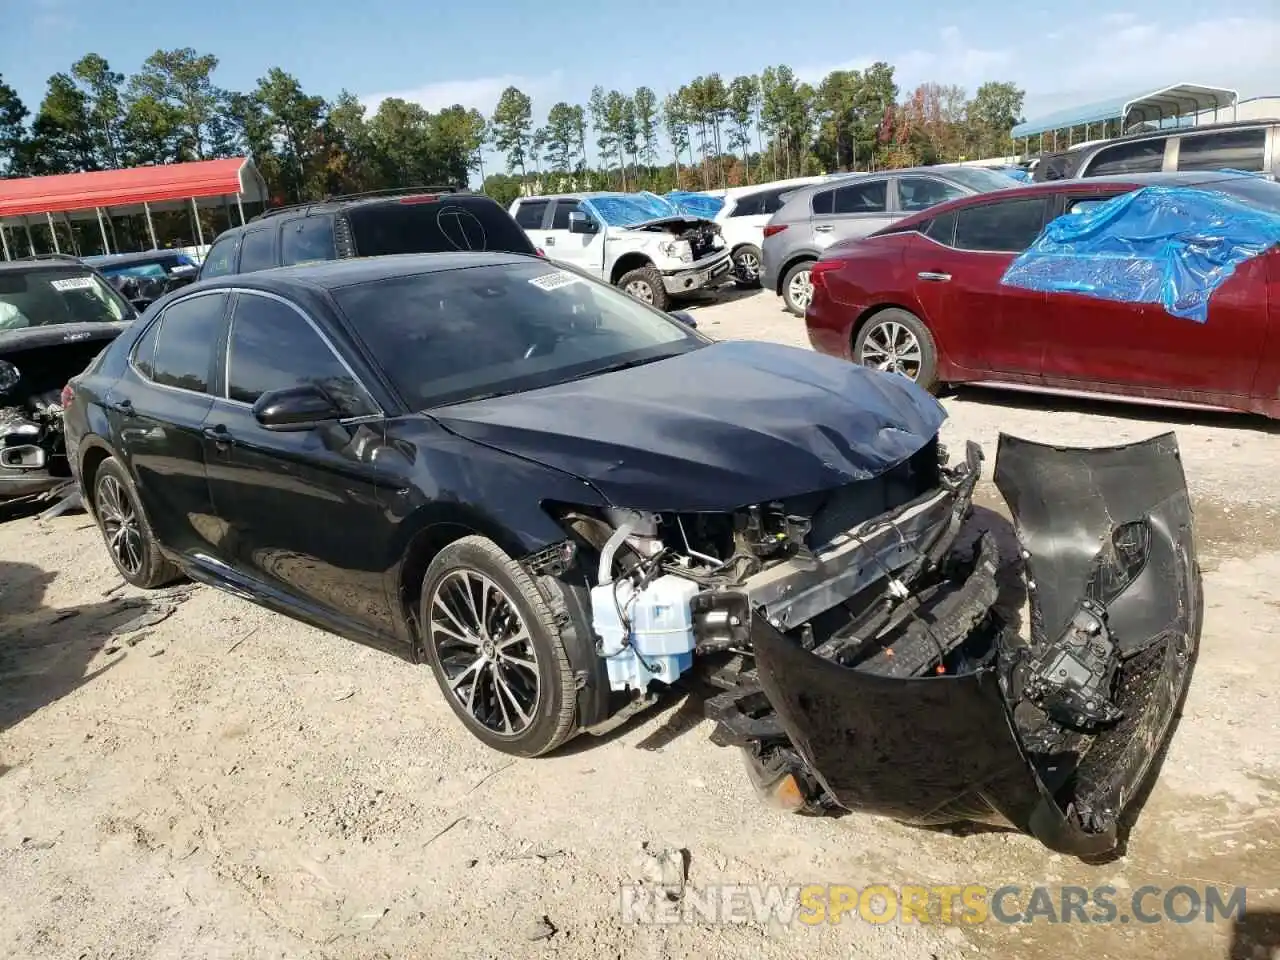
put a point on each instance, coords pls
(439, 226)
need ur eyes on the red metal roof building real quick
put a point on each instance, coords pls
(104, 194)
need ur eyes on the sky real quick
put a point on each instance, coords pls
(469, 52)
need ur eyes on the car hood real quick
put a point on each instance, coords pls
(720, 427)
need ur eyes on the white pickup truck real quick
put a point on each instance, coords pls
(638, 242)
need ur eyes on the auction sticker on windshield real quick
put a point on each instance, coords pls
(554, 281)
(73, 283)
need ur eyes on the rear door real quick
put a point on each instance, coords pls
(958, 265)
(582, 250)
(158, 409)
(850, 211)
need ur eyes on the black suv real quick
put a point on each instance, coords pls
(416, 220)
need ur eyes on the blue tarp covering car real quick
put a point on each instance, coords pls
(628, 209)
(695, 204)
(1172, 246)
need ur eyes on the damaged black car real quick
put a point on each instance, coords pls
(56, 315)
(567, 503)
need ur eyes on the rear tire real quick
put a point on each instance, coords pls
(797, 291)
(495, 650)
(895, 340)
(126, 531)
(746, 266)
(645, 284)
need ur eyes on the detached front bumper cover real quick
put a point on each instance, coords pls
(1056, 736)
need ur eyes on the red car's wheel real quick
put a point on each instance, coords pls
(895, 341)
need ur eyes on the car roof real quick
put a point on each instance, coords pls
(273, 215)
(334, 274)
(45, 263)
(111, 259)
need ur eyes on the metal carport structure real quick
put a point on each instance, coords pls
(102, 195)
(1175, 104)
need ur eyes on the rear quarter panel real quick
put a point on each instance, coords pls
(873, 274)
(1266, 381)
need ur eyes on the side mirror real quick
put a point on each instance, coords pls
(579, 222)
(141, 303)
(685, 317)
(295, 408)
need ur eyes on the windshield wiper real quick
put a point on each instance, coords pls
(615, 367)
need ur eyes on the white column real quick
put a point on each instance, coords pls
(240, 207)
(102, 229)
(52, 232)
(151, 231)
(4, 241)
(195, 212)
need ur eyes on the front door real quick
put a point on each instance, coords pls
(158, 409)
(1143, 346)
(302, 514)
(958, 266)
(582, 250)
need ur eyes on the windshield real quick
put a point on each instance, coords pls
(457, 335)
(625, 209)
(1258, 191)
(981, 179)
(41, 297)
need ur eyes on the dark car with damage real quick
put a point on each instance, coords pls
(565, 502)
(56, 315)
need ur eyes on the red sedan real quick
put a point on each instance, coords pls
(923, 298)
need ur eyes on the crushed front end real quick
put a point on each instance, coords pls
(887, 673)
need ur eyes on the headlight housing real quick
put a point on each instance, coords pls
(677, 250)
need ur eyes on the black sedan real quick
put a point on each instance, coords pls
(564, 501)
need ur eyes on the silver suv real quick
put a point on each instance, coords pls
(813, 218)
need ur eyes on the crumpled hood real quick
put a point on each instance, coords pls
(720, 427)
(682, 220)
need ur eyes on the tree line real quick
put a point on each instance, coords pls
(708, 133)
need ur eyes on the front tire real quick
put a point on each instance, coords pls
(132, 546)
(495, 650)
(896, 341)
(746, 266)
(797, 290)
(645, 284)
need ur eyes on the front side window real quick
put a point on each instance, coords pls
(221, 258)
(529, 214)
(1145, 156)
(187, 338)
(921, 193)
(1006, 227)
(454, 335)
(41, 297)
(862, 198)
(273, 347)
(258, 251)
(307, 240)
(560, 219)
(1229, 150)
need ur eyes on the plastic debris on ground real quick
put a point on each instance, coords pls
(627, 209)
(695, 204)
(1172, 246)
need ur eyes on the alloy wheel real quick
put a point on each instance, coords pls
(120, 525)
(641, 290)
(801, 289)
(486, 652)
(748, 267)
(892, 347)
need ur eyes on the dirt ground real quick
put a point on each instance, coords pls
(191, 776)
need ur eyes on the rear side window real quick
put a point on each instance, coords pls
(221, 258)
(862, 198)
(1009, 226)
(435, 227)
(188, 336)
(756, 204)
(258, 251)
(943, 228)
(273, 347)
(921, 193)
(823, 201)
(307, 240)
(144, 351)
(1145, 156)
(529, 214)
(1228, 150)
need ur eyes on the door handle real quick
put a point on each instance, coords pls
(934, 276)
(823, 228)
(122, 405)
(551, 242)
(218, 434)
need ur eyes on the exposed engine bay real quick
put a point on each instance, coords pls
(702, 236)
(868, 659)
(33, 456)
